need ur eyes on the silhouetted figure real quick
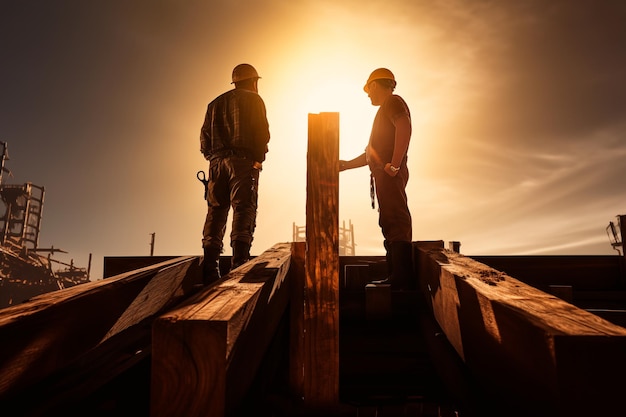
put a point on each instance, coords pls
(234, 140)
(386, 156)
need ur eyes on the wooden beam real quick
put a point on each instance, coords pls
(296, 314)
(530, 348)
(321, 291)
(115, 265)
(53, 330)
(205, 352)
(622, 230)
(583, 272)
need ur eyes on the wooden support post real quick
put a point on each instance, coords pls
(321, 288)
(378, 302)
(454, 246)
(296, 313)
(622, 229)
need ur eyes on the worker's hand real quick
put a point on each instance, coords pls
(342, 165)
(390, 171)
(257, 165)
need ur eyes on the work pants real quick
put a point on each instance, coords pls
(394, 217)
(232, 182)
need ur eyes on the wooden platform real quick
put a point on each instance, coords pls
(488, 344)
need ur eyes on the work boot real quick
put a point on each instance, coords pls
(389, 262)
(211, 266)
(241, 254)
(388, 257)
(400, 263)
(402, 255)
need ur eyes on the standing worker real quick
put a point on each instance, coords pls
(234, 140)
(386, 156)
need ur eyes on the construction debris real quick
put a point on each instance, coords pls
(24, 271)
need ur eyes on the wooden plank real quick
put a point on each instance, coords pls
(49, 332)
(321, 311)
(531, 348)
(622, 227)
(115, 265)
(592, 272)
(205, 352)
(296, 314)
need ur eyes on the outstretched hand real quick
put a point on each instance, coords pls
(357, 162)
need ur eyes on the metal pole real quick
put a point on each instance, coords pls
(152, 244)
(5, 156)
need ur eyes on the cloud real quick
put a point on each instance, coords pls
(549, 69)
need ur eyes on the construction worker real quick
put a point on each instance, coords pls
(234, 140)
(386, 156)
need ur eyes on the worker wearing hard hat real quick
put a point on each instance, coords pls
(234, 140)
(386, 156)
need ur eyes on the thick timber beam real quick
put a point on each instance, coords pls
(320, 315)
(61, 338)
(205, 352)
(529, 348)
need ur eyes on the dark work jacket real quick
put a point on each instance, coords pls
(236, 120)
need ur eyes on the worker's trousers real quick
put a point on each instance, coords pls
(232, 182)
(394, 217)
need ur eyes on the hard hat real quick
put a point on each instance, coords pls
(380, 74)
(243, 72)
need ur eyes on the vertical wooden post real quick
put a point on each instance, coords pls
(622, 230)
(321, 286)
(296, 342)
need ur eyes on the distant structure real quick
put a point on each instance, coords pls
(615, 233)
(346, 237)
(152, 237)
(25, 273)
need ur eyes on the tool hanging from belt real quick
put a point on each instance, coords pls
(372, 190)
(202, 178)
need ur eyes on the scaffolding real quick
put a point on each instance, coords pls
(21, 222)
(346, 237)
(24, 272)
(615, 234)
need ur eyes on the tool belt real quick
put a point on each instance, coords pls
(225, 153)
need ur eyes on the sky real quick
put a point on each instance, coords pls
(518, 111)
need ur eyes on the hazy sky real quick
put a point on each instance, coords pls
(518, 107)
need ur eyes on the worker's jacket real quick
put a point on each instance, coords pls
(236, 121)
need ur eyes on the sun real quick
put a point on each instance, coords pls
(324, 89)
